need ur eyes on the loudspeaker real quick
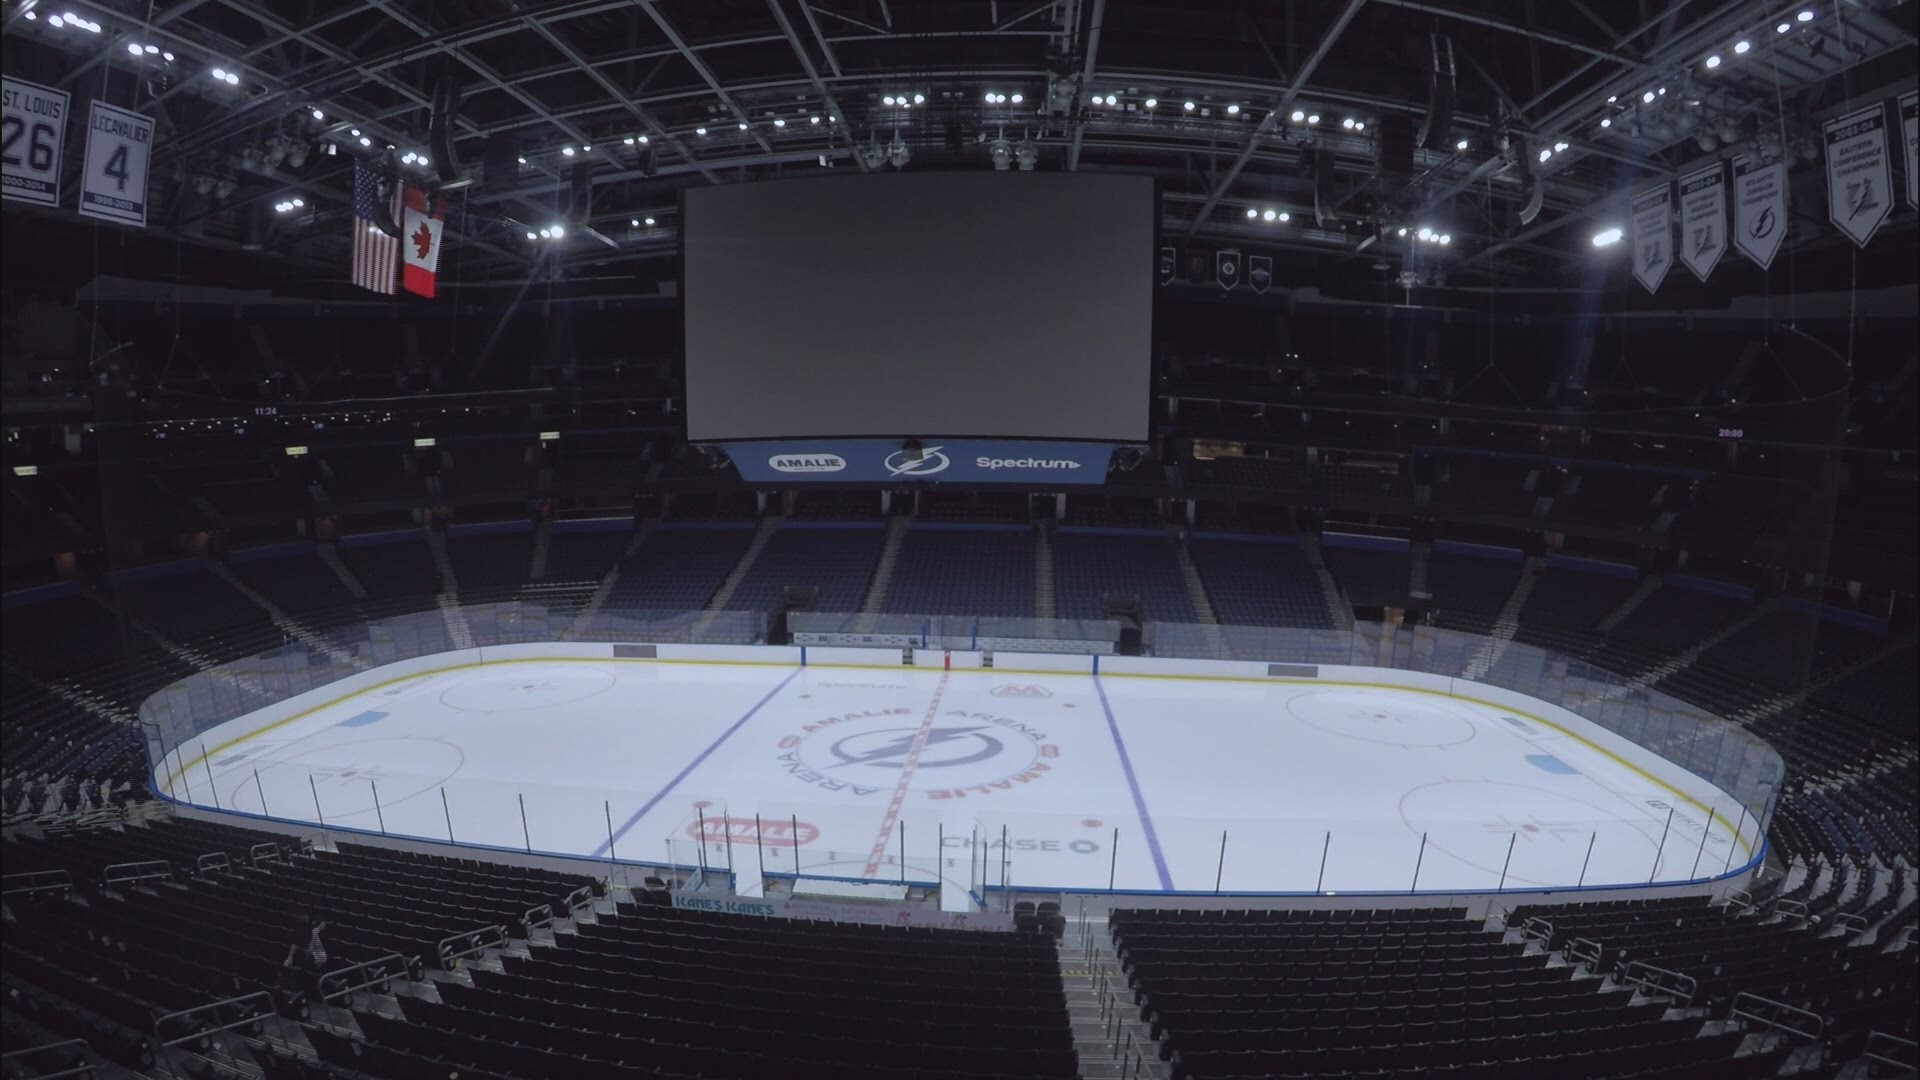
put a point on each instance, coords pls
(382, 208)
(1439, 119)
(1322, 187)
(1166, 267)
(499, 164)
(1396, 145)
(580, 193)
(446, 107)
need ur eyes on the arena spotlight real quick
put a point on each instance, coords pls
(1313, 118)
(1445, 239)
(1402, 231)
(1560, 146)
(1233, 110)
(813, 119)
(319, 115)
(1713, 61)
(1359, 125)
(1347, 123)
(1425, 233)
(134, 47)
(1647, 98)
(1545, 153)
(530, 235)
(1285, 217)
(364, 141)
(647, 221)
(219, 75)
(1151, 103)
(1188, 106)
(699, 131)
(1461, 145)
(1806, 15)
(1252, 213)
(1607, 237)
(1268, 215)
(1299, 115)
(1783, 28)
(921, 99)
(635, 223)
(1742, 47)
(887, 99)
(1606, 121)
(779, 123)
(743, 125)
(1018, 98)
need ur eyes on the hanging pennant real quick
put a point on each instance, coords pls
(1260, 272)
(1910, 139)
(1759, 208)
(1653, 236)
(1859, 174)
(1226, 268)
(1703, 219)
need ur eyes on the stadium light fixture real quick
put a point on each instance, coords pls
(1285, 217)
(1233, 110)
(628, 140)
(31, 15)
(1359, 125)
(1269, 215)
(219, 74)
(1252, 213)
(1461, 145)
(699, 131)
(530, 234)
(743, 125)
(298, 201)
(1560, 146)
(1299, 115)
(1606, 121)
(1647, 98)
(921, 99)
(1783, 28)
(134, 48)
(1347, 123)
(364, 141)
(523, 161)
(566, 151)
(151, 50)
(649, 221)
(1607, 237)
(1151, 103)
(1545, 153)
(1806, 15)
(1402, 231)
(1313, 118)
(1445, 239)
(1425, 233)
(1713, 61)
(886, 99)
(319, 115)
(635, 223)
(1742, 47)
(1188, 106)
(779, 123)
(1018, 98)
(813, 119)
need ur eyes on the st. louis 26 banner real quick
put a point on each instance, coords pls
(1703, 219)
(1653, 236)
(1910, 140)
(1859, 173)
(1759, 208)
(36, 128)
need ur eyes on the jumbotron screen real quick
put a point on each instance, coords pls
(920, 304)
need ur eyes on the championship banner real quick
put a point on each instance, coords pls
(1167, 263)
(1226, 268)
(1653, 236)
(1910, 139)
(1859, 174)
(960, 461)
(113, 185)
(1703, 219)
(1260, 272)
(35, 119)
(1759, 208)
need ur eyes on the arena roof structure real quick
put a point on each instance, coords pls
(1512, 131)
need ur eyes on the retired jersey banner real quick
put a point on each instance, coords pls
(1859, 173)
(1653, 236)
(35, 128)
(1759, 208)
(890, 461)
(113, 185)
(1910, 140)
(1703, 219)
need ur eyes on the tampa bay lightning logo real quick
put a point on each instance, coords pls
(888, 748)
(931, 460)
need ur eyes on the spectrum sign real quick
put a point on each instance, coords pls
(960, 461)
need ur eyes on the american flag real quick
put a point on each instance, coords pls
(376, 256)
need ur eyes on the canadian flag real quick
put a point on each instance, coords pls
(420, 243)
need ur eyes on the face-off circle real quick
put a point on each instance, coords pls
(865, 754)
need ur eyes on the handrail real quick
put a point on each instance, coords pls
(216, 859)
(1774, 1021)
(264, 999)
(132, 875)
(271, 852)
(375, 972)
(1587, 951)
(1903, 938)
(538, 916)
(1637, 972)
(1741, 897)
(85, 1068)
(581, 897)
(1537, 929)
(1885, 1058)
(12, 884)
(1846, 918)
(1800, 908)
(478, 941)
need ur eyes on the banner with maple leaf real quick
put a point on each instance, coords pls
(420, 236)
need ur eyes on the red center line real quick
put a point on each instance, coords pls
(906, 775)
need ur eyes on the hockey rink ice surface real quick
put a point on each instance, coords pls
(1059, 781)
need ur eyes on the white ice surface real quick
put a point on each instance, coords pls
(1287, 773)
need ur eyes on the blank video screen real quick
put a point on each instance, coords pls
(902, 304)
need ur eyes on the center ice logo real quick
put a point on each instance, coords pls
(962, 754)
(888, 748)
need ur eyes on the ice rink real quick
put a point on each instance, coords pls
(1158, 784)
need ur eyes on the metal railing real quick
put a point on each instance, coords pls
(33, 881)
(14, 1060)
(1586, 951)
(1794, 908)
(260, 853)
(344, 982)
(1778, 1016)
(455, 947)
(1658, 980)
(250, 1009)
(1886, 1049)
(127, 873)
(1538, 929)
(216, 860)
